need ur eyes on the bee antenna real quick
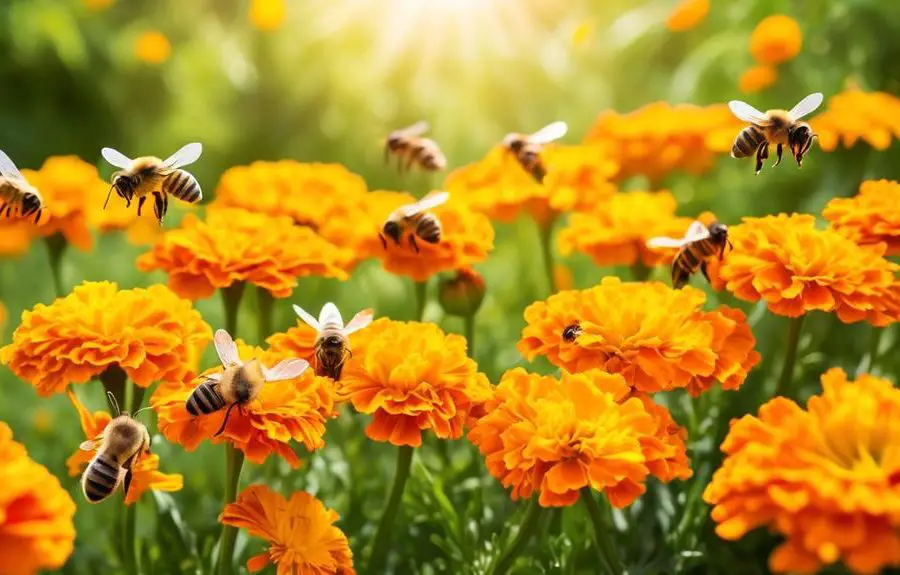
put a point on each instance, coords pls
(141, 410)
(113, 402)
(108, 194)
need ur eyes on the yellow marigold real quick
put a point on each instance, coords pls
(267, 15)
(36, 529)
(466, 239)
(687, 14)
(824, 478)
(145, 474)
(559, 436)
(616, 232)
(233, 245)
(796, 268)
(776, 39)
(411, 378)
(656, 337)
(296, 410)
(300, 531)
(15, 236)
(758, 78)
(152, 334)
(68, 185)
(152, 47)
(871, 217)
(853, 115)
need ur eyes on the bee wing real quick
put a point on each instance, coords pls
(188, 154)
(90, 444)
(116, 158)
(287, 369)
(665, 242)
(696, 231)
(359, 321)
(432, 200)
(747, 113)
(807, 105)
(330, 315)
(550, 132)
(307, 317)
(8, 168)
(226, 348)
(416, 129)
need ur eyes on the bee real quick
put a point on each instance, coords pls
(17, 196)
(571, 333)
(409, 144)
(415, 220)
(240, 383)
(697, 246)
(527, 149)
(332, 345)
(145, 175)
(123, 441)
(774, 127)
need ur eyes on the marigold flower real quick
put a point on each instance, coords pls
(853, 115)
(152, 47)
(656, 337)
(870, 217)
(301, 532)
(758, 78)
(293, 409)
(36, 529)
(824, 477)
(233, 245)
(616, 232)
(145, 475)
(796, 268)
(411, 378)
(688, 14)
(15, 236)
(151, 334)
(776, 39)
(267, 15)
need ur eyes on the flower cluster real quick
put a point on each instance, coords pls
(870, 217)
(151, 334)
(584, 430)
(687, 14)
(657, 338)
(797, 268)
(824, 478)
(758, 78)
(776, 39)
(853, 115)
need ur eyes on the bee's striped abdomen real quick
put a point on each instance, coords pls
(429, 229)
(204, 400)
(100, 478)
(688, 260)
(747, 142)
(183, 186)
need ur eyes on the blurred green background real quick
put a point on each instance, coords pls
(327, 85)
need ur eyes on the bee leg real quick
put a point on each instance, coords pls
(158, 207)
(412, 242)
(705, 272)
(37, 217)
(225, 421)
(127, 466)
(779, 150)
(141, 201)
(165, 198)
(383, 241)
(2, 207)
(762, 152)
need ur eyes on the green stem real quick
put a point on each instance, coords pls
(234, 461)
(526, 531)
(640, 272)
(546, 233)
(382, 539)
(787, 370)
(601, 530)
(231, 298)
(56, 247)
(129, 541)
(469, 322)
(421, 295)
(868, 361)
(265, 303)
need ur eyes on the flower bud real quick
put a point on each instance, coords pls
(462, 295)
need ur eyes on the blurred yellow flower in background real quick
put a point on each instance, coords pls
(776, 39)
(870, 217)
(853, 115)
(152, 47)
(36, 528)
(583, 33)
(267, 15)
(758, 78)
(687, 14)
(824, 478)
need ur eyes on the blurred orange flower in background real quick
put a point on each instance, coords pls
(853, 115)
(412, 377)
(145, 474)
(36, 528)
(616, 232)
(495, 185)
(152, 334)
(776, 39)
(300, 531)
(796, 268)
(824, 478)
(152, 47)
(870, 217)
(233, 245)
(97, 5)
(15, 236)
(657, 338)
(758, 78)
(267, 15)
(687, 14)
(296, 409)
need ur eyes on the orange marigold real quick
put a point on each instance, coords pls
(300, 531)
(853, 115)
(412, 377)
(15, 236)
(152, 47)
(36, 529)
(796, 268)
(233, 245)
(294, 409)
(776, 39)
(152, 334)
(267, 15)
(656, 337)
(687, 14)
(616, 232)
(758, 78)
(145, 474)
(825, 478)
(871, 217)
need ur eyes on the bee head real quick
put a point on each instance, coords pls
(800, 139)
(718, 232)
(333, 341)
(392, 230)
(124, 186)
(513, 142)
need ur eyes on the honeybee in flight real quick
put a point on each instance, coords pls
(332, 343)
(408, 144)
(240, 383)
(17, 196)
(774, 127)
(697, 246)
(123, 441)
(527, 149)
(416, 221)
(145, 175)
